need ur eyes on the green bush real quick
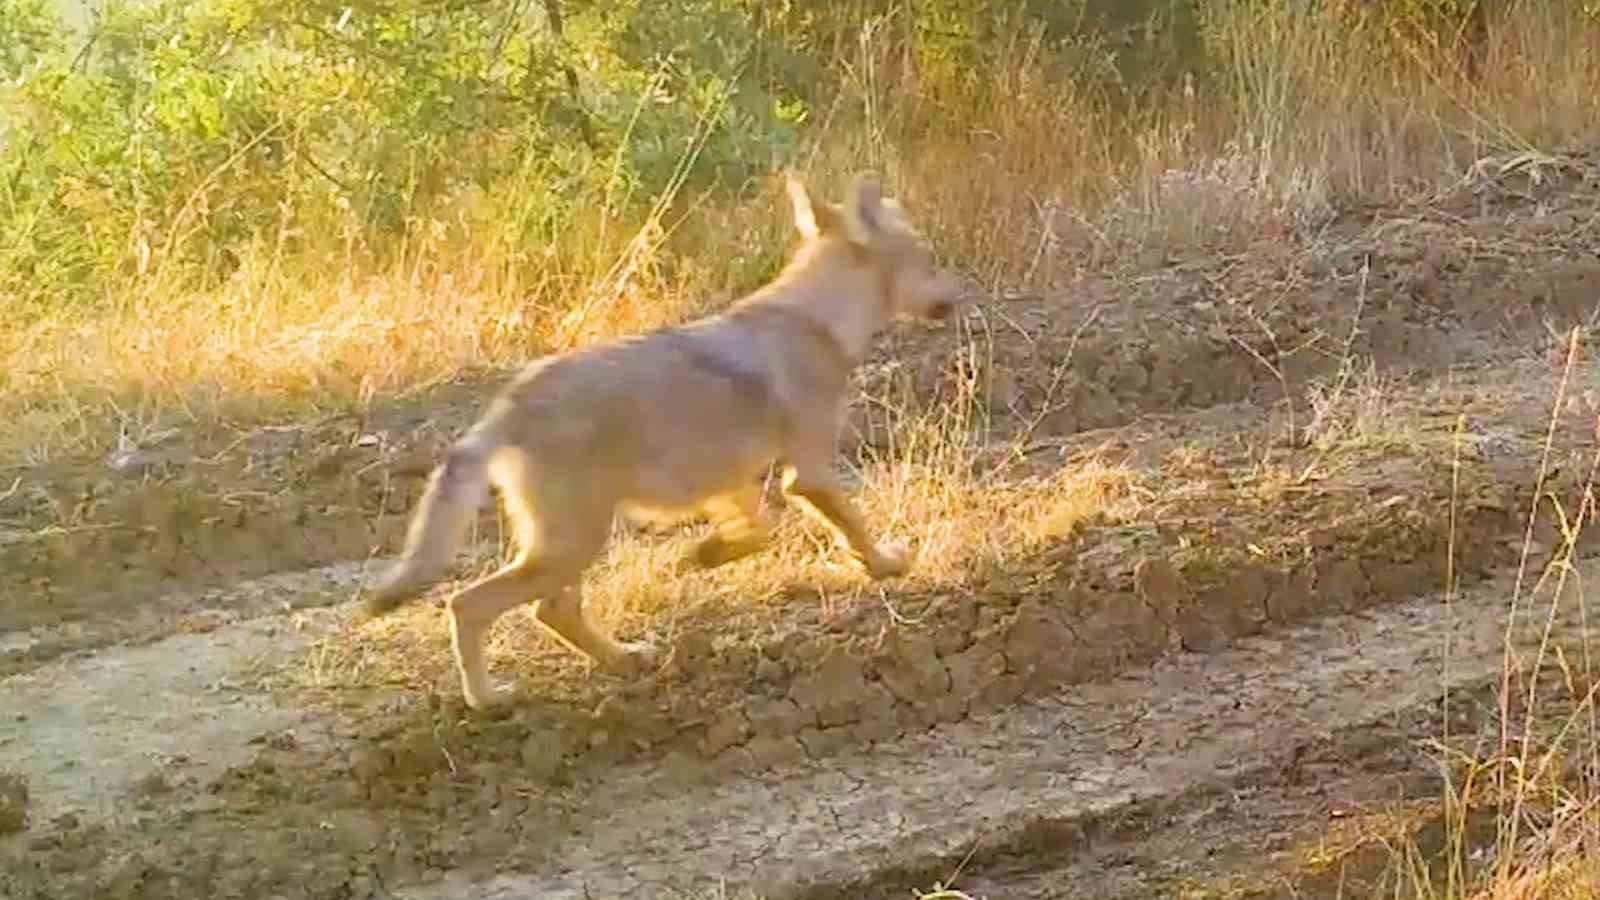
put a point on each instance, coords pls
(185, 128)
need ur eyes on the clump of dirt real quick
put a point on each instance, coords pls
(13, 803)
(313, 499)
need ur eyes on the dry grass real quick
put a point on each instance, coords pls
(1073, 180)
(1539, 781)
(1356, 413)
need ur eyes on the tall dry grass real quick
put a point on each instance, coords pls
(1040, 168)
(1517, 815)
(1522, 811)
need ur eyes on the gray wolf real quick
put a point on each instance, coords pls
(674, 423)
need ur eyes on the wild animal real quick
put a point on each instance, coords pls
(674, 423)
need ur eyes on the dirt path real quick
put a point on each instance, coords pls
(103, 730)
(133, 711)
(1054, 780)
(1037, 778)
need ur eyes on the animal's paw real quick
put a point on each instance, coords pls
(889, 561)
(487, 698)
(717, 551)
(704, 555)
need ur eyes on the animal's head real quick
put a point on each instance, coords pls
(879, 235)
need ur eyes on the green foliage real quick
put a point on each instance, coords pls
(28, 29)
(174, 137)
(184, 128)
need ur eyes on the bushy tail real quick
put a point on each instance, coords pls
(455, 490)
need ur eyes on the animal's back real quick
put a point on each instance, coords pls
(660, 417)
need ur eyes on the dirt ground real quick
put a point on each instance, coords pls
(1315, 436)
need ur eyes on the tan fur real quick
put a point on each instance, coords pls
(676, 422)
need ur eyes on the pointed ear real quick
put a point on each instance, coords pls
(864, 213)
(805, 212)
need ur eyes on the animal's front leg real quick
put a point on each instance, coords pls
(819, 493)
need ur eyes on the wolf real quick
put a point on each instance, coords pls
(675, 423)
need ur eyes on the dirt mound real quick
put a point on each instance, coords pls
(1412, 291)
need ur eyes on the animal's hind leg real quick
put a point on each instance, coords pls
(562, 612)
(552, 583)
(539, 571)
(569, 521)
(741, 529)
(475, 609)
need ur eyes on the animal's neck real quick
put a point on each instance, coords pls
(837, 294)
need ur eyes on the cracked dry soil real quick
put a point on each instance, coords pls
(1156, 694)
